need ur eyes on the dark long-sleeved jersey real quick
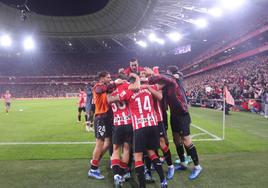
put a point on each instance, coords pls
(173, 92)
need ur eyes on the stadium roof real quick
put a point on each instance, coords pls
(120, 23)
(117, 17)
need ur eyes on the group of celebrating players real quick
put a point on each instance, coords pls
(131, 116)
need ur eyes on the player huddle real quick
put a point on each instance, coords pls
(131, 115)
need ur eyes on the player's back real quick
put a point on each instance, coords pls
(82, 99)
(120, 109)
(142, 109)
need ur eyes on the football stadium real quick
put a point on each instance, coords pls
(133, 93)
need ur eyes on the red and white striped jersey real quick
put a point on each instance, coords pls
(141, 107)
(82, 99)
(120, 109)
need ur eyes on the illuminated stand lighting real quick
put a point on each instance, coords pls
(28, 43)
(5, 41)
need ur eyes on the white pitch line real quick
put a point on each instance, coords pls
(215, 138)
(202, 139)
(205, 131)
(45, 143)
(195, 135)
(207, 139)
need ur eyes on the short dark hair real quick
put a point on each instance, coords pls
(173, 69)
(102, 74)
(133, 59)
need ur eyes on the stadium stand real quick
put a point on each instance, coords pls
(246, 79)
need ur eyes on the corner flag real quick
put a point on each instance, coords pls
(229, 98)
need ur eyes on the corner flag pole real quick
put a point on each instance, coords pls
(223, 116)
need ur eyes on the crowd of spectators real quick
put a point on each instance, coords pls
(251, 44)
(74, 64)
(247, 80)
(59, 64)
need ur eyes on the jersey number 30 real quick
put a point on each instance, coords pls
(120, 105)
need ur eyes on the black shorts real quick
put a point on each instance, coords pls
(180, 123)
(92, 109)
(146, 138)
(8, 104)
(122, 134)
(162, 130)
(103, 126)
(80, 109)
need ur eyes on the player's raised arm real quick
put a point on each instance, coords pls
(156, 79)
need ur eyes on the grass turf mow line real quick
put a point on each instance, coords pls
(204, 132)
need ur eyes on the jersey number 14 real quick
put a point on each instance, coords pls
(146, 105)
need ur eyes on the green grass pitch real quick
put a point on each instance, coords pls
(238, 161)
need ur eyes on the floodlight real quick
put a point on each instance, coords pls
(200, 23)
(215, 12)
(28, 43)
(152, 37)
(160, 41)
(5, 41)
(174, 36)
(142, 43)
